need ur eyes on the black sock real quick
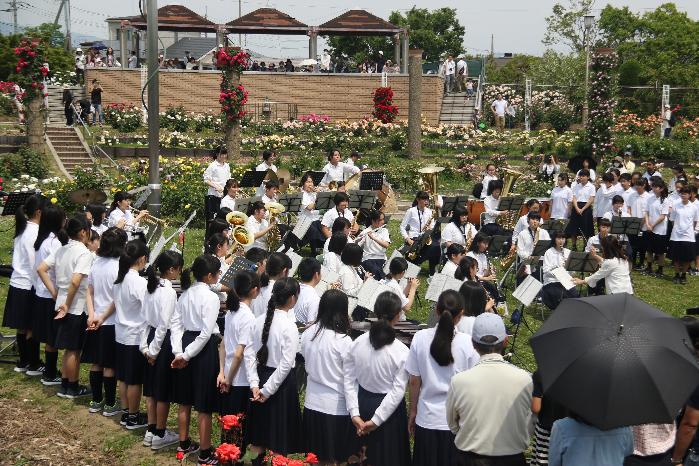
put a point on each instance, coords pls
(51, 364)
(64, 383)
(110, 384)
(184, 444)
(684, 275)
(151, 428)
(96, 378)
(159, 432)
(74, 385)
(203, 454)
(32, 349)
(21, 340)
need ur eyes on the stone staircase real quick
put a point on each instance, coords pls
(457, 109)
(69, 148)
(56, 113)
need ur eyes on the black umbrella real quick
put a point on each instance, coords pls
(576, 163)
(616, 361)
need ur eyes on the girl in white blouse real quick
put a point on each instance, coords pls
(436, 354)
(561, 199)
(158, 307)
(396, 272)
(215, 176)
(454, 254)
(194, 338)
(656, 213)
(350, 279)
(336, 245)
(274, 417)
(231, 189)
(129, 293)
(556, 256)
(276, 268)
(549, 168)
(614, 268)
(375, 382)
(485, 273)
(458, 230)
(324, 346)
(314, 236)
(120, 215)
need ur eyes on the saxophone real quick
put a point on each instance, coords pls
(469, 238)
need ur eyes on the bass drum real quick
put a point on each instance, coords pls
(475, 208)
(386, 199)
(352, 182)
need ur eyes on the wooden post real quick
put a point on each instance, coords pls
(233, 130)
(415, 103)
(35, 121)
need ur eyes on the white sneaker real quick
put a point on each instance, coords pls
(170, 438)
(148, 439)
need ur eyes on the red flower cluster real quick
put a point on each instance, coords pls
(227, 453)
(233, 102)
(230, 421)
(7, 87)
(226, 60)
(295, 460)
(384, 110)
(30, 69)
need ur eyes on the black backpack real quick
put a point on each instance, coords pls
(673, 119)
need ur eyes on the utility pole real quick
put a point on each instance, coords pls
(69, 42)
(240, 11)
(492, 46)
(153, 108)
(13, 7)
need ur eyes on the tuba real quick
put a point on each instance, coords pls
(508, 220)
(428, 178)
(274, 236)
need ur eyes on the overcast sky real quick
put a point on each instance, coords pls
(517, 25)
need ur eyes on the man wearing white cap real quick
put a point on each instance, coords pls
(80, 65)
(489, 406)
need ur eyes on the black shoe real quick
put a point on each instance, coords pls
(639, 268)
(676, 280)
(647, 271)
(79, 392)
(124, 417)
(138, 421)
(183, 452)
(683, 280)
(658, 274)
(35, 370)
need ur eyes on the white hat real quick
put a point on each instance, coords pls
(380, 52)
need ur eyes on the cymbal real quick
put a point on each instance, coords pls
(430, 169)
(87, 196)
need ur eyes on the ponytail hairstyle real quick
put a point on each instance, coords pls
(276, 263)
(214, 242)
(284, 289)
(164, 262)
(34, 203)
(659, 183)
(450, 305)
(201, 267)
(386, 308)
(77, 223)
(52, 220)
(243, 284)
(474, 298)
(397, 266)
(112, 243)
(133, 251)
(118, 197)
(332, 312)
(463, 271)
(97, 211)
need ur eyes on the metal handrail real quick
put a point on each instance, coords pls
(93, 145)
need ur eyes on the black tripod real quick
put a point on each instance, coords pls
(518, 318)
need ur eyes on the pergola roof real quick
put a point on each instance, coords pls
(267, 21)
(358, 22)
(173, 18)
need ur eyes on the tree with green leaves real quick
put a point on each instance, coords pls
(58, 58)
(437, 32)
(566, 25)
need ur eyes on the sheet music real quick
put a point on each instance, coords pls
(564, 277)
(527, 290)
(145, 192)
(327, 277)
(173, 247)
(370, 290)
(157, 249)
(440, 283)
(302, 225)
(413, 269)
(295, 261)
(351, 304)
(239, 264)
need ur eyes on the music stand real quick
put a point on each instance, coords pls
(15, 201)
(511, 203)
(541, 247)
(291, 202)
(498, 245)
(362, 199)
(450, 203)
(317, 177)
(629, 226)
(252, 179)
(324, 200)
(241, 205)
(581, 262)
(371, 181)
(239, 264)
(557, 224)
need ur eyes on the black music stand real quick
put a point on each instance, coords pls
(362, 199)
(252, 179)
(371, 181)
(498, 245)
(449, 203)
(239, 264)
(241, 205)
(541, 247)
(291, 202)
(557, 224)
(324, 200)
(511, 203)
(317, 177)
(629, 226)
(582, 262)
(15, 201)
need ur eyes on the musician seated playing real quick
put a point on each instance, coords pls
(268, 159)
(341, 209)
(335, 170)
(490, 204)
(533, 205)
(120, 215)
(352, 277)
(374, 241)
(458, 230)
(417, 223)
(271, 192)
(527, 239)
(556, 256)
(332, 258)
(454, 254)
(258, 226)
(340, 225)
(619, 210)
(396, 272)
(353, 159)
(593, 244)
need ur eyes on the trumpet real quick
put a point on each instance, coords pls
(149, 218)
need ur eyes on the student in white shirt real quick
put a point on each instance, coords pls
(306, 308)
(485, 273)
(324, 347)
(340, 210)
(618, 210)
(418, 220)
(335, 170)
(375, 383)
(528, 239)
(475, 298)
(236, 354)
(100, 341)
(375, 240)
(99, 217)
(636, 205)
(158, 307)
(458, 230)
(614, 268)
(490, 204)
(120, 211)
(336, 244)
(314, 236)
(340, 225)
(71, 264)
(604, 195)
(587, 164)
(396, 272)
(257, 225)
(49, 239)
(350, 279)
(677, 175)
(129, 293)
(353, 159)
(454, 253)
(194, 338)
(685, 215)
(593, 244)
(626, 186)
(271, 192)
(215, 176)
(650, 170)
(268, 159)
(276, 268)
(674, 196)
(231, 189)
(490, 175)
(581, 216)
(533, 205)
(556, 256)
(656, 211)
(274, 417)
(561, 199)
(436, 354)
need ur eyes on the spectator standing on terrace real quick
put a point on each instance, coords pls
(461, 74)
(289, 67)
(80, 65)
(325, 64)
(133, 60)
(96, 101)
(449, 71)
(499, 107)
(668, 121)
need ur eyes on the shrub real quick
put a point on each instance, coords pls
(176, 119)
(384, 110)
(680, 150)
(123, 117)
(559, 118)
(24, 162)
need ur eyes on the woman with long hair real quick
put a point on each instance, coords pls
(656, 213)
(614, 268)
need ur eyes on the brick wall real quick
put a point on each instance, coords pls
(341, 96)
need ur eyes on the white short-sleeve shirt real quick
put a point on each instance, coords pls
(240, 326)
(560, 199)
(583, 193)
(102, 275)
(70, 259)
(655, 207)
(684, 217)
